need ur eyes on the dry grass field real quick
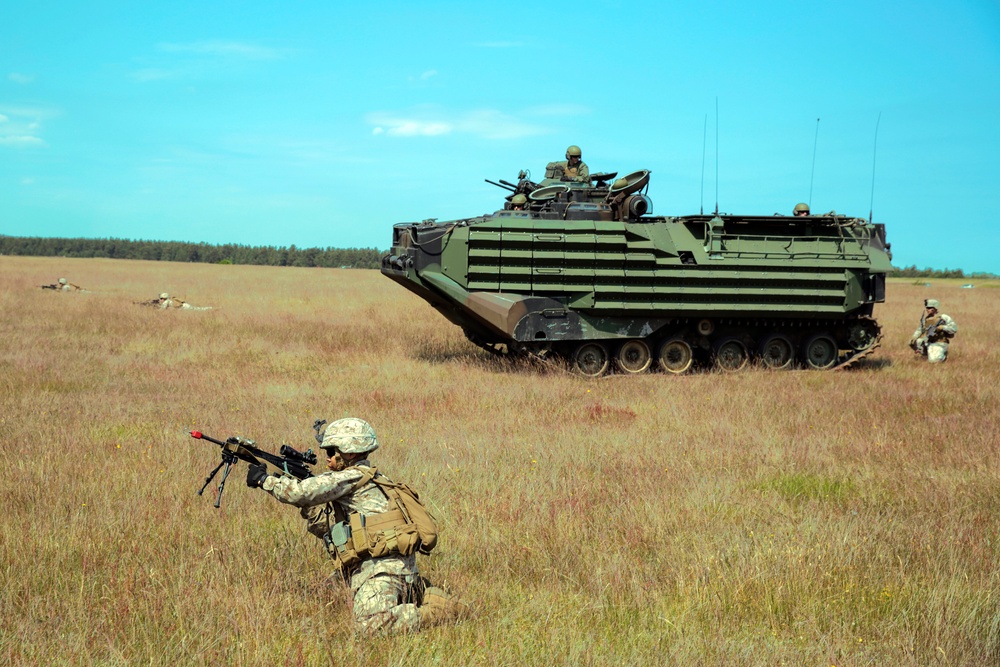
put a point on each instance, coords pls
(761, 518)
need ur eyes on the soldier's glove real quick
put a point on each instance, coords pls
(256, 474)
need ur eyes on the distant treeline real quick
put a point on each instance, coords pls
(177, 251)
(913, 272)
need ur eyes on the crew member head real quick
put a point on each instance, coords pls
(573, 155)
(518, 202)
(801, 209)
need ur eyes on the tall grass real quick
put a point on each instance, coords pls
(761, 518)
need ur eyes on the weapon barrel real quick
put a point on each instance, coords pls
(201, 436)
(502, 184)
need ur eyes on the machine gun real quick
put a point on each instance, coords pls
(290, 462)
(54, 286)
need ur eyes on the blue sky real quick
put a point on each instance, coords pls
(324, 123)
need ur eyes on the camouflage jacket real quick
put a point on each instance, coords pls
(938, 328)
(322, 497)
(563, 171)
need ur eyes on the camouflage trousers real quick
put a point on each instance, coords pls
(936, 353)
(388, 603)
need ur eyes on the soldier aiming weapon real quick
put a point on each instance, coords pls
(291, 461)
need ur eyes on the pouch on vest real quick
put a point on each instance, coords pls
(359, 535)
(343, 546)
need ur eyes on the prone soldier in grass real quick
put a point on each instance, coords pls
(63, 285)
(166, 301)
(372, 528)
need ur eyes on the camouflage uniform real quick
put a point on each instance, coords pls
(66, 286)
(579, 172)
(386, 590)
(166, 301)
(932, 336)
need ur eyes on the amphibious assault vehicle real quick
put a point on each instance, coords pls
(585, 272)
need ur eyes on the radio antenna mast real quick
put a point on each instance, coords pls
(813, 173)
(716, 155)
(871, 203)
(704, 141)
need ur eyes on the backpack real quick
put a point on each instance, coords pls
(424, 536)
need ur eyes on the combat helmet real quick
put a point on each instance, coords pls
(350, 436)
(800, 208)
(519, 200)
(62, 281)
(164, 295)
(573, 151)
(932, 303)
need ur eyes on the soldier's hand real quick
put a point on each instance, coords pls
(256, 474)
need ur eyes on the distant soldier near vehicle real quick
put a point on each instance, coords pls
(166, 302)
(373, 529)
(934, 333)
(63, 285)
(572, 169)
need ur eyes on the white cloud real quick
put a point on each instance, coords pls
(20, 140)
(27, 180)
(17, 77)
(428, 74)
(485, 123)
(224, 48)
(20, 126)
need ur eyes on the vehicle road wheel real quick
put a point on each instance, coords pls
(776, 352)
(591, 360)
(675, 356)
(861, 335)
(731, 355)
(820, 352)
(634, 356)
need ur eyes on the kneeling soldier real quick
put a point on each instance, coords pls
(935, 331)
(372, 528)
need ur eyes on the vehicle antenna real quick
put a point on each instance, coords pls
(716, 155)
(871, 202)
(704, 141)
(811, 175)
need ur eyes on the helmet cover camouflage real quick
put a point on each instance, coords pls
(931, 303)
(164, 295)
(573, 151)
(62, 281)
(801, 207)
(519, 200)
(350, 436)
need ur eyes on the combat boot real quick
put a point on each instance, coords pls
(440, 607)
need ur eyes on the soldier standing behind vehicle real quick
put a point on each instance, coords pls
(935, 331)
(572, 169)
(370, 538)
